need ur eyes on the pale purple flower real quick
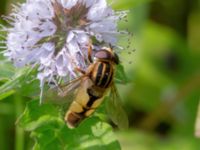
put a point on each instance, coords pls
(54, 35)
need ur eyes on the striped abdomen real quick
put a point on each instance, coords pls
(88, 98)
(102, 74)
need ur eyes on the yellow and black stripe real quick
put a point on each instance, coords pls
(102, 74)
(78, 112)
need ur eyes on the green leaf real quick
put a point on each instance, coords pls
(46, 137)
(30, 88)
(36, 115)
(7, 70)
(95, 135)
(91, 134)
(50, 131)
(17, 80)
(6, 94)
(120, 75)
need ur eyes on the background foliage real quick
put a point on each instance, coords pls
(161, 97)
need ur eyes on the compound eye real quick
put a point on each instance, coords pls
(102, 54)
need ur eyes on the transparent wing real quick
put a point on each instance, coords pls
(115, 109)
(63, 93)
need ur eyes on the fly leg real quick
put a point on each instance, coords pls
(90, 53)
(80, 70)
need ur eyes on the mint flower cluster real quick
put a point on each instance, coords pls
(54, 35)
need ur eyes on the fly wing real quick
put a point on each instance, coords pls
(62, 93)
(115, 109)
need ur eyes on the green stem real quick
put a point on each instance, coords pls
(19, 132)
(163, 109)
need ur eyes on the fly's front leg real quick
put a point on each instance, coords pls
(80, 70)
(90, 53)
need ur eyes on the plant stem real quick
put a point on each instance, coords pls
(19, 132)
(163, 109)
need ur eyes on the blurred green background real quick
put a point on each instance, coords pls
(162, 62)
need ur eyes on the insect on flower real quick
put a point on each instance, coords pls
(90, 88)
(53, 36)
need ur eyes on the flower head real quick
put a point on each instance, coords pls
(54, 35)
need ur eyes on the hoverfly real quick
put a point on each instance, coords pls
(91, 87)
